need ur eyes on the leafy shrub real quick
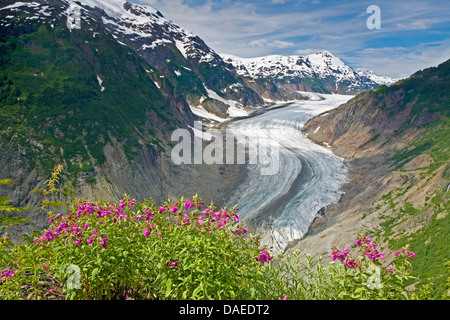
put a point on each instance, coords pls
(180, 250)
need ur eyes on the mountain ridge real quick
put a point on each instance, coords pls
(318, 72)
(395, 140)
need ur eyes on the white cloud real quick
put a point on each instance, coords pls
(419, 24)
(274, 44)
(401, 62)
(305, 52)
(247, 30)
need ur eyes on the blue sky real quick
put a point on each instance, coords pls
(414, 34)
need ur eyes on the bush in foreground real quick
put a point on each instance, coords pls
(183, 250)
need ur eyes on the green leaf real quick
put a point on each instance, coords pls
(196, 291)
(168, 288)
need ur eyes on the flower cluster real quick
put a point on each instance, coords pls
(74, 228)
(341, 255)
(103, 232)
(344, 256)
(7, 274)
(369, 248)
(406, 252)
(264, 256)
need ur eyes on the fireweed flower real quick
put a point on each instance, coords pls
(7, 274)
(390, 268)
(104, 242)
(188, 204)
(351, 263)
(173, 209)
(340, 255)
(149, 215)
(146, 232)
(264, 256)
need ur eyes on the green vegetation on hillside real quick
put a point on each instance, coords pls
(53, 105)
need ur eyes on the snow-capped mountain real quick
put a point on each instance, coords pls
(180, 58)
(381, 80)
(320, 72)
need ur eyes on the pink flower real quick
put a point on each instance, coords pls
(284, 298)
(188, 204)
(240, 231)
(104, 242)
(173, 264)
(264, 256)
(146, 232)
(89, 240)
(411, 254)
(340, 255)
(7, 274)
(162, 209)
(390, 268)
(149, 215)
(351, 263)
(200, 220)
(186, 218)
(173, 209)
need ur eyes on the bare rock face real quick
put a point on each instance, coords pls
(421, 161)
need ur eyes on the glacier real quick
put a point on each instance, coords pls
(281, 207)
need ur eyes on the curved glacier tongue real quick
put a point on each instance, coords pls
(309, 177)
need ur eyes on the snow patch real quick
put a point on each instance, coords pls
(100, 81)
(202, 113)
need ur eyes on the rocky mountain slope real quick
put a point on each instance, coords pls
(396, 142)
(82, 98)
(279, 76)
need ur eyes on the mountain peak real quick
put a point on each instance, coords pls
(326, 72)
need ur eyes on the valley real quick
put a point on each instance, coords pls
(351, 152)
